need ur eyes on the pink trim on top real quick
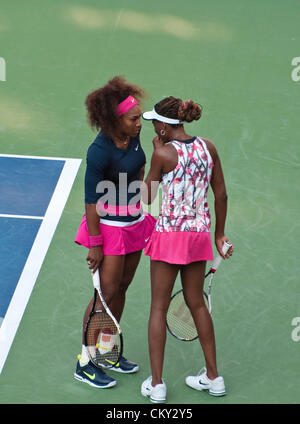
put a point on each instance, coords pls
(121, 210)
(126, 105)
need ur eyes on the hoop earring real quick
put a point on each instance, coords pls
(162, 132)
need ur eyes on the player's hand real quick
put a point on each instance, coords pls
(219, 244)
(157, 143)
(95, 257)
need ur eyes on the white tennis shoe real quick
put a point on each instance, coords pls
(215, 387)
(156, 394)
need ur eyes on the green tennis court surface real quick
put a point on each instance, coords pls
(235, 58)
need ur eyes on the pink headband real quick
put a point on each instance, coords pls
(126, 105)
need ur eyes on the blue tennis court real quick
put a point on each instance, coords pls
(33, 192)
(17, 238)
(27, 185)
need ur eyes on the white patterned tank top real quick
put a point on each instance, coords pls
(184, 189)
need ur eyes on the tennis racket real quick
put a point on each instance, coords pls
(103, 335)
(180, 322)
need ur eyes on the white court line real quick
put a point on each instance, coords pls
(34, 157)
(36, 256)
(3, 215)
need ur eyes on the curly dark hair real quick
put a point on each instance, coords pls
(172, 107)
(102, 103)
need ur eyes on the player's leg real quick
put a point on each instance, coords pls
(110, 276)
(111, 273)
(131, 261)
(163, 276)
(192, 277)
(116, 274)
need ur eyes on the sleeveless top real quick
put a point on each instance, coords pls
(184, 189)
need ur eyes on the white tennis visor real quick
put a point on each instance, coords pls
(149, 116)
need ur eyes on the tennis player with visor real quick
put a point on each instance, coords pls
(185, 166)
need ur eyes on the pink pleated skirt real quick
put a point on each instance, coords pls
(119, 240)
(180, 247)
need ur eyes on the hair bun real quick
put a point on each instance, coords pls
(189, 111)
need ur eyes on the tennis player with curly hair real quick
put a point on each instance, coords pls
(181, 242)
(114, 227)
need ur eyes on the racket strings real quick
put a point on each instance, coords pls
(103, 339)
(179, 319)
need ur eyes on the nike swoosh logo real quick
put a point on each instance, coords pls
(92, 377)
(111, 362)
(147, 239)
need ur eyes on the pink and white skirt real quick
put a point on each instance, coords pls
(119, 240)
(180, 247)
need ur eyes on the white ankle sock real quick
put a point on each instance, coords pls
(84, 357)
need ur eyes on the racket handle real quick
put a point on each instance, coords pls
(219, 258)
(96, 279)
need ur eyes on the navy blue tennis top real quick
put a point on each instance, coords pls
(112, 178)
